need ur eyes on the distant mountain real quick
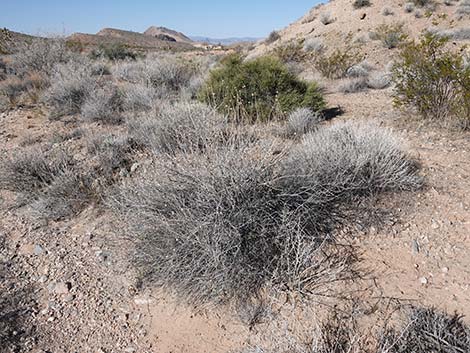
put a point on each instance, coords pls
(132, 39)
(163, 32)
(224, 41)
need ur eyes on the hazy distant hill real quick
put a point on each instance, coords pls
(163, 31)
(224, 41)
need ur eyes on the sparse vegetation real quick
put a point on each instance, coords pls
(114, 52)
(387, 11)
(326, 18)
(273, 37)
(357, 4)
(433, 80)
(258, 90)
(409, 7)
(222, 225)
(104, 105)
(291, 52)
(391, 36)
(71, 85)
(337, 64)
(301, 122)
(314, 45)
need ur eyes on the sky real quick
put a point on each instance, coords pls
(210, 18)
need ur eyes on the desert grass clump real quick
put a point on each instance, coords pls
(105, 105)
(31, 170)
(139, 98)
(432, 80)
(71, 85)
(12, 88)
(387, 11)
(379, 80)
(182, 127)
(362, 69)
(337, 64)
(223, 225)
(300, 122)
(357, 4)
(258, 90)
(291, 52)
(274, 36)
(427, 330)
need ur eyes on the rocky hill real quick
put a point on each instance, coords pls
(339, 24)
(132, 39)
(163, 31)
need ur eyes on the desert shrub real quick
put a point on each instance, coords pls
(427, 330)
(168, 75)
(357, 4)
(361, 69)
(423, 3)
(40, 55)
(327, 18)
(455, 34)
(353, 85)
(432, 80)
(337, 64)
(387, 11)
(291, 52)
(409, 7)
(379, 80)
(104, 105)
(71, 85)
(12, 88)
(114, 52)
(222, 225)
(258, 90)
(188, 127)
(100, 68)
(300, 122)
(113, 154)
(139, 97)
(391, 36)
(314, 45)
(31, 170)
(273, 37)
(67, 195)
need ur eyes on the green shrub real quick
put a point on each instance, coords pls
(337, 64)
(114, 52)
(258, 90)
(433, 80)
(391, 36)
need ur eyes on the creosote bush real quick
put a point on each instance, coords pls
(104, 105)
(433, 80)
(224, 224)
(258, 90)
(291, 52)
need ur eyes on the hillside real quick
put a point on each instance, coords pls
(337, 24)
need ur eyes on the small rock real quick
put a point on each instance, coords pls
(68, 298)
(434, 225)
(38, 250)
(134, 167)
(143, 301)
(62, 288)
(131, 349)
(445, 270)
(363, 16)
(423, 281)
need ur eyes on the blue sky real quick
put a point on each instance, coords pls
(214, 18)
